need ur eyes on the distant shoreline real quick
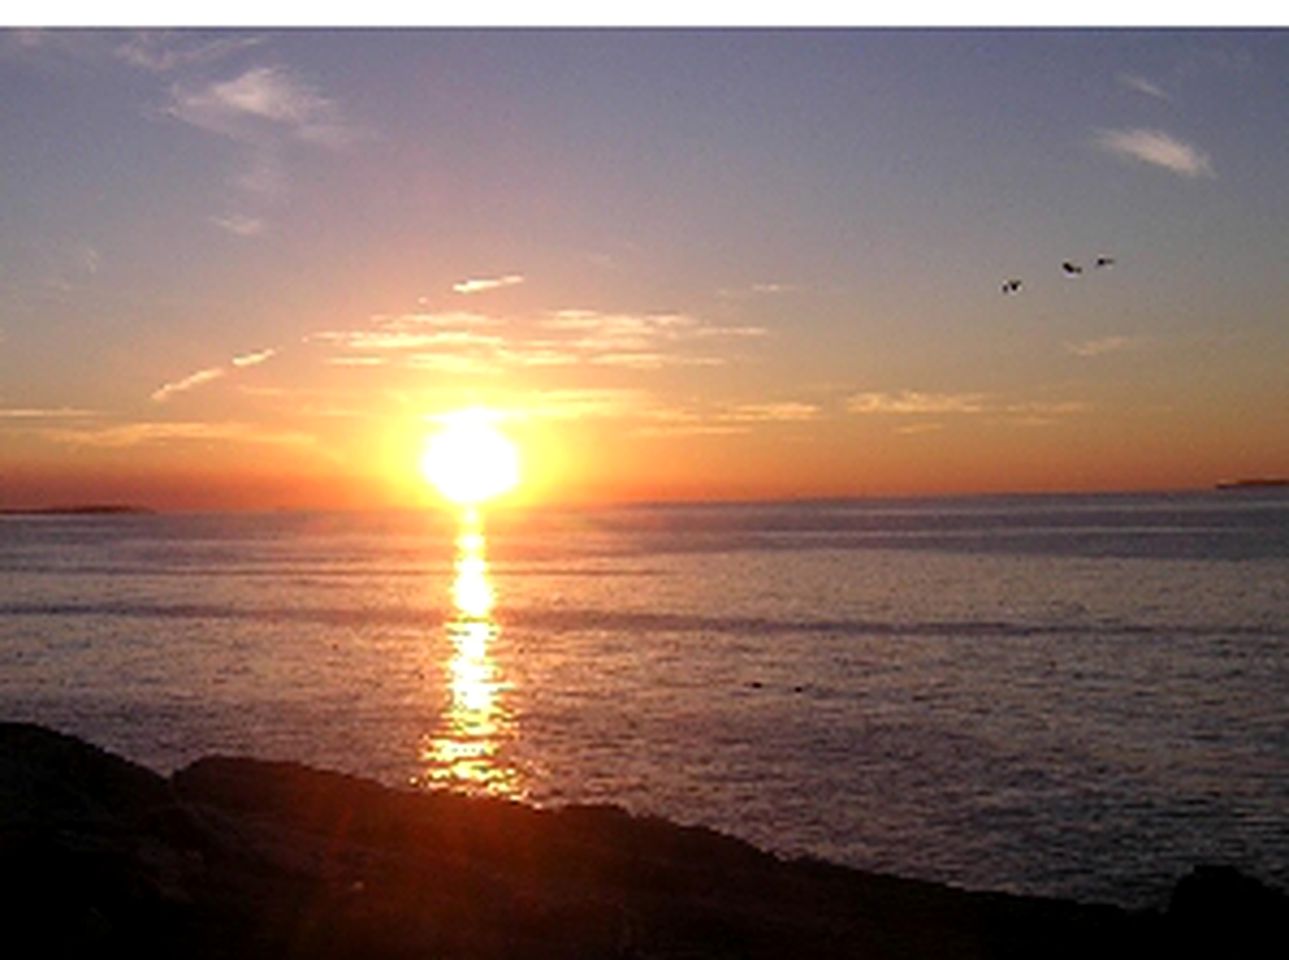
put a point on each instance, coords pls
(1252, 485)
(1256, 483)
(91, 509)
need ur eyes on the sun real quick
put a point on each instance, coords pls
(469, 460)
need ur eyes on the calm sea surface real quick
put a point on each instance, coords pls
(1080, 696)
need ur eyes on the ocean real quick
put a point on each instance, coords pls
(1079, 696)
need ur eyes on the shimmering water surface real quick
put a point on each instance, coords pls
(1080, 696)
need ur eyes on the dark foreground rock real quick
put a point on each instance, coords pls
(245, 858)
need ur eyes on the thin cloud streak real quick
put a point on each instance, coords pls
(1134, 82)
(168, 390)
(240, 225)
(254, 359)
(691, 430)
(454, 342)
(1156, 148)
(421, 320)
(382, 341)
(756, 290)
(484, 284)
(1056, 408)
(157, 51)
(452, 363)
(1101, 346)
(265, 109)
(784, 412)
(210, 374)
(47, 413)
(915, 429)
(730, 420)
(915, 402)
(149, 432)
(570, 404)
(356, 361)
(261, 101)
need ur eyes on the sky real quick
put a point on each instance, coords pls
(254, 269)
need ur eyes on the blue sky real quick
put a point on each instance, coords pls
(768, 260)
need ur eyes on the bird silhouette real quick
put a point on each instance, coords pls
(1104, 262)
(1011, 286)
(1071, 269)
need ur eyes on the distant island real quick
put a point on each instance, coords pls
(91, 509)
(1253, 483)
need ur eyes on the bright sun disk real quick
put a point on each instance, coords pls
(470, 460)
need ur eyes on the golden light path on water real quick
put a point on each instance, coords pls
(465, 751)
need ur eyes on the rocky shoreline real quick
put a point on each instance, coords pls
(234, 857)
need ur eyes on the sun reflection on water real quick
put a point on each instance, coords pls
(466, 750)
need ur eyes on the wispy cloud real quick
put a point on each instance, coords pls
(1101, 346)
(574, 403)
(484, 284)
(447, 320)
(182, 385)
(915, 402)
(38, 44)
(393, 340)
(723, 420)
(210, 374)
(455, 363)
(1157, 148)
(46, 413)
(160, 51)
(268, 111)
(347, 361)
(641, 341)
(645, 360)
(768, 288)
(262, 101)
(784, 412)
(135, 434)
(914, 429)
(1135, 82)
(1045, 408)
(240, 225)
(644, 414)
(696, 429)
(467, 342)
(538, 353)
(263, 173)
(254, 358)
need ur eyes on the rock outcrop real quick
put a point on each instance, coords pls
(245, 858)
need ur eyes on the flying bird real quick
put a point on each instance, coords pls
(1011, 286)
(1071, 269)
(1104, 262)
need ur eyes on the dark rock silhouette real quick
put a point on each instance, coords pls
(1218, 911)
(238, 858)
